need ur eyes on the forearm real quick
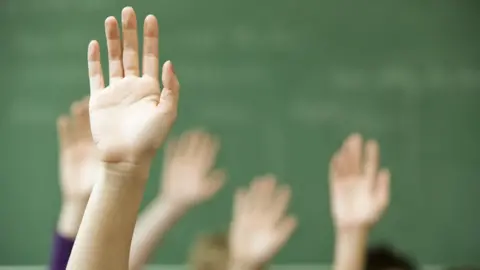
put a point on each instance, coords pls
(153, 224)
(350, 248)
(104, 237)
(70, 218)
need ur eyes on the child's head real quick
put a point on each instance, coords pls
(385, 257)
(210, 252)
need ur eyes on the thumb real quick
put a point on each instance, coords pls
(171, 87)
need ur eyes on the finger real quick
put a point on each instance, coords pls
(95, 74)
(115, 65)
(280, 203)
(285, 230)
(334, 168)
(150, 47)
(63, 131)
(81, 119)
(239, 202)
(130, 42)
(216, 180)
(263, 192)
(171, 88)
(341, 165)
(382, 189)
(207, 149)
(372, 157)
(212, 146)
(79, 107)
(249, 201)
(353, 153)
(170, 150)
(75, 108)
(194, 144)
(184, 142)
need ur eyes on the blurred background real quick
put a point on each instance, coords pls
(282, 83)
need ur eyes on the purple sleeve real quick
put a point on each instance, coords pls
(62, 247)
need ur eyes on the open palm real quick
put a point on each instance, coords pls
(359, 192)
(188, 177)
(131, 116)
(79, 163)
(260, 226)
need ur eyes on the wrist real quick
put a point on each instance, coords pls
(70, 218)
(126, 173)
(172, 203)
(353, 230)
(171, 207)
(352, 236)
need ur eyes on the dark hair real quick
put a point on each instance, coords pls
(383, 257)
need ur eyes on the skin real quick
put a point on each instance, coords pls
(125, 145)
(78, 165)
(188, 179)
(359, 194)
(260, 225)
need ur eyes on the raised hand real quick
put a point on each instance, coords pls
(131, 117)
(188, 177)
(260, 225)
(359, 190)
(79, 163)
(79, 167)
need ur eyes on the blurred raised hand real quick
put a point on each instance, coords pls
(260, 225)
(188, 176)
(359, 194)
(78, 165)
(131, 117)
(360, 191)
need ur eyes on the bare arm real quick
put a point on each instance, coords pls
(350, 249)
(70, 218)
(159, 217)
(359, 196)
(260, 225)
(78, 167)
(104, 238)
(129, 120)
(187, 180)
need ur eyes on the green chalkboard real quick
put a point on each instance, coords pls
(282, 83)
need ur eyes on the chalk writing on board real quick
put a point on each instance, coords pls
(432, 78)
(318, 113)
(50, 6)
(226, 76)
(251, 38)
(225, 114)
(275, 143)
